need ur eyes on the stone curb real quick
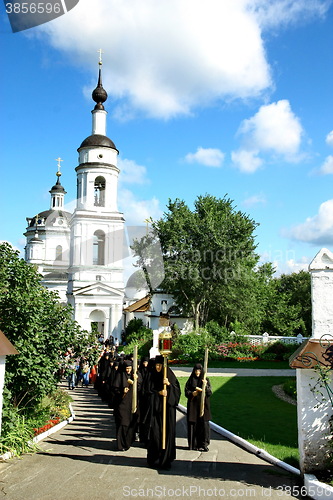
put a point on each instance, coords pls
(316, 489)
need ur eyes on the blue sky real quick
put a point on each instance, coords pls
(227, 97)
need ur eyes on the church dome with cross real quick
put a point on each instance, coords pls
(47, 235)
(80, 254)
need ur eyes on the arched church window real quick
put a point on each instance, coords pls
(98, 248)
(58, 252)
(99, 192)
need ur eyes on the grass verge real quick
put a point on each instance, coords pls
(266, 365)
(247, 407)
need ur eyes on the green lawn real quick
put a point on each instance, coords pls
(246, 406)
(275, 365)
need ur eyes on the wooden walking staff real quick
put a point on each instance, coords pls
(135, 381)
(203, 393)
(165, 344)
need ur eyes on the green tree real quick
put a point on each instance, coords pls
(38, 326)
(288, 311)
(207, 252)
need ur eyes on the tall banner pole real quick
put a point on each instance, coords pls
(203, 393)
(135, 381)
(165, 344)
(165, 372)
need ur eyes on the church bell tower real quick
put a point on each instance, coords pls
(95, 286)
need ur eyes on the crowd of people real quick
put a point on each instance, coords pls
(144, 401)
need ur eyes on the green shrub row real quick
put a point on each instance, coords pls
(191, 347)
(19, 427)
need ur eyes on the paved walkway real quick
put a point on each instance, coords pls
(80, 462)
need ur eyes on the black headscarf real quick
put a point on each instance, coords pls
(195, 381)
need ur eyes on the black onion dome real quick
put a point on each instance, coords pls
(97, 140)
(99, 95)
(57, 188)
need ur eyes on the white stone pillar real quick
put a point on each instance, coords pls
(99, 122)
(313, 418)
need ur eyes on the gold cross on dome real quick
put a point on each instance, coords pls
(100, 51)
(148, 221)
(59, 166)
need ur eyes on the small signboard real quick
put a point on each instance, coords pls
(313, 352)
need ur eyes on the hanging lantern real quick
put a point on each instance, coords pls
(165, 343)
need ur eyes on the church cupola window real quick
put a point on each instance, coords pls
(99, 248)
(58, 252)
(99, 192)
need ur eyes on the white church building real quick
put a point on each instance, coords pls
(80, 254)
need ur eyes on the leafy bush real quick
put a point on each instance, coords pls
(219, 333)
(281, 349)
(144, 346)
(132, 328)
(191, 346)
(289, 387)
(268, 356)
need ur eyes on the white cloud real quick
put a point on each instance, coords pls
(137, 211)
(285, 261)
(291, 266)
(274, 128)
(246, 161)
(274, 13)
(329, 138)
(168, 57)
(256, 199)
(210, 157)
(131, 172)
(317, 229)
(294, 266)
(327, 166)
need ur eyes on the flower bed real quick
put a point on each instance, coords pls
(50, 423)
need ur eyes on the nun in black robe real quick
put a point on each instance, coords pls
(110, 384)
(143, 399)
(198, 432)
(101, 372)
(126, 421)
(156, 456)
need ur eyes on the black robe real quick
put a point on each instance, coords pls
(198, 431)
(101, 367)
(110, 384)
(143, 404)
(126, 421)
(156, 457)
